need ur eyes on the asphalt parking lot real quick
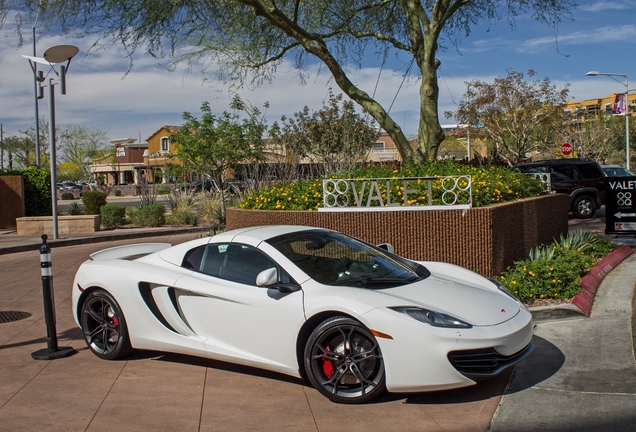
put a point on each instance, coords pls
(581, 376)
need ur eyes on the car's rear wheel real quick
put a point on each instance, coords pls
(583, 207)
(343, 361)
(104, 326)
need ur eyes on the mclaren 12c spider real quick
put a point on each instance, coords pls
(353, 318)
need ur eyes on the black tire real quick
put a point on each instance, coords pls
(583, 207)
(104, 326)
(343, 361)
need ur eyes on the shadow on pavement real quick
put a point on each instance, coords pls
(214, 364)
(541, 364)
(62, 337)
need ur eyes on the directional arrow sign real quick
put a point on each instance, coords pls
(620, 205)
(622, 215)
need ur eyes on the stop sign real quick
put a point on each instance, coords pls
(566, 149)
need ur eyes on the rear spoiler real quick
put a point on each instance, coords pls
(122, 252)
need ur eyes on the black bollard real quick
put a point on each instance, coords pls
(51, 352)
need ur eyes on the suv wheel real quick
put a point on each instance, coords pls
(583, 207)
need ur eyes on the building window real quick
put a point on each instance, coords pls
(378, 146)
(164, 144)
(121, 151)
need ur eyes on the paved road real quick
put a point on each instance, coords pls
(581, 377)
(125, 201)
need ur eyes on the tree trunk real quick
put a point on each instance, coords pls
(430, 134)
(365, 101)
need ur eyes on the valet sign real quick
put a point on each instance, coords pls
(620, 205)
(394, 194)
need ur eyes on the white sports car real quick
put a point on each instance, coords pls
(353, 318)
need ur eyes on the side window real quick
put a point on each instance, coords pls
(192, 259)
(590, 171)
(233, 262)
(563, 173)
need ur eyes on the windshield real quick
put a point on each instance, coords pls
(336, 259)
(617, 172)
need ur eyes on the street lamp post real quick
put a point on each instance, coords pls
(52, 56)
(626, 110)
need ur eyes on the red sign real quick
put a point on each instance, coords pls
(566, 149)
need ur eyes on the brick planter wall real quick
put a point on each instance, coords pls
(484, 239)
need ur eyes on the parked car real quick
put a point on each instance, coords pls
(353, 318)
(71, 186)
(616, 171)
(583, 180)
(233, 187)
(198, 185)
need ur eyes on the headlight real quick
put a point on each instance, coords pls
(503, 289)
(436, 319)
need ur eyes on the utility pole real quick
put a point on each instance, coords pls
(1, 149)
(36, 86)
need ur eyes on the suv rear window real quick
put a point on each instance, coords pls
(589, 171)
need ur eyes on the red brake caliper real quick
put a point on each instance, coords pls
(327, 365)
(115, 321)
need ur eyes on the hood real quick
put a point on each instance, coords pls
(469, 302)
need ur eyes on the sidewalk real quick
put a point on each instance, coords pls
(153, 391)
(582, 375)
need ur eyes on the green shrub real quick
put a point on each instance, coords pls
(185, 209)
(152, 215)
(67, 196)
(117, 192)
(113, 216)
(163, 190)
(75, 208)
(490, 185)
(93, 202)
(554, 271)
(37, 190)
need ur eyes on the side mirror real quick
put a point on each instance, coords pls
(387, 247)
(267, 277)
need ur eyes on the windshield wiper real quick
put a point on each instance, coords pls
(367, 281)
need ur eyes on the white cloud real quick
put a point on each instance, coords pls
(602, 6)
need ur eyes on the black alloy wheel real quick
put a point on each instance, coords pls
(104, 326)
(343, 361)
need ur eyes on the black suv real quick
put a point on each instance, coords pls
(582, 179)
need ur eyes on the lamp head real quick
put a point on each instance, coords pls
(60, 53)
(592, 73)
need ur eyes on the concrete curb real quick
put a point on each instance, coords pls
(590, 282)
(557, 312)
(582, 302)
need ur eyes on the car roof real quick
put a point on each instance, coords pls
(557, 162)
(262, 233)
(250, 235)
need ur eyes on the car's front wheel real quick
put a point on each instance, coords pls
(343, 361)
(583, 207)
(104, 326)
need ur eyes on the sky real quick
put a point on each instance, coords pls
(101, 94)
